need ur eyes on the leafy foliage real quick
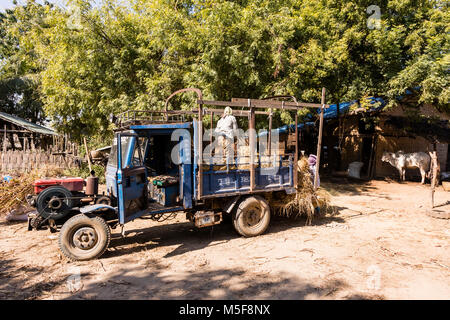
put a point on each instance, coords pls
(122, 55)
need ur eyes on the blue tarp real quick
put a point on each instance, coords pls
(344, 107)
(329, 114)
(285, 129)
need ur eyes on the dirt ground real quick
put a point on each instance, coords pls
(379, 245)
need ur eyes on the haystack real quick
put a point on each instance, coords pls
(13, 193)
(305, 200)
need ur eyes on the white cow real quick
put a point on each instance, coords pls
(401, 161)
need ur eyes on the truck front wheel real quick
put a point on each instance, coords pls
(252, 216)
(84, 238)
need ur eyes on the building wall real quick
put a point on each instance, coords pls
(388, 140)
(406, 144)
(426, 109)
(442, 154)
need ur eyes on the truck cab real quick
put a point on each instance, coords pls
(144, 174)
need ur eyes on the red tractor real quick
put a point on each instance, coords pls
(57, 199)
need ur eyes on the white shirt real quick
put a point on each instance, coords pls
(227, 125)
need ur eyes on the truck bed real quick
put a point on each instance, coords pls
(237, 181)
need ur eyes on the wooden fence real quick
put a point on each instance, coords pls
(28, 160)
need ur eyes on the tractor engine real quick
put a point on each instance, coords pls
(71, 184)
(55, 198)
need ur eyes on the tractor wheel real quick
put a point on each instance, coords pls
(104, 200)
(54, 202)
(252, 216)
(83, 238)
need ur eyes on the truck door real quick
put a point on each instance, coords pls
(132, 181)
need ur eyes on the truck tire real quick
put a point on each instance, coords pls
(84, 238)
(252, 216)
(55, 202)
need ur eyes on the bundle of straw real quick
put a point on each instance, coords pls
(13, 193)
(306, 198)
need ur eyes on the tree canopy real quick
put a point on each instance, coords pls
(82, 63)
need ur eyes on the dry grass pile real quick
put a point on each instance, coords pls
(13, 193)
(305, 200)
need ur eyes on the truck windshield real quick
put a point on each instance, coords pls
(113, 155)
(137, 154)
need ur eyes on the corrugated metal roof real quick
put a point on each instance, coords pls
(27, 124)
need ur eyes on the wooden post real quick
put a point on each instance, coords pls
(372, 146)
(374, 162)
(434, 172)
(88, 155)
(5, 139)
(252, 144)
(296, 151)
(270, 134)
(200, 152)
(319, 142)
(212, 128)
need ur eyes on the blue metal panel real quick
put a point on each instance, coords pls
(187, 185)
(131, 181)
(232, 181)
(96, 207)
(167, 195)
(120, 197)
(195, 169)
(186, 176)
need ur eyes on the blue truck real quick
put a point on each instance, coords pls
(143, 180)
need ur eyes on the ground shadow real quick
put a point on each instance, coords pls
(204, 283)
(187, 238)
(151, 281)
(353, 188)
(14, 287)
(12, 223)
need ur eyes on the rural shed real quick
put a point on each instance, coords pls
(363, 135)
(21, 134)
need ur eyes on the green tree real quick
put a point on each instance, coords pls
(132, 54)
(19, 72)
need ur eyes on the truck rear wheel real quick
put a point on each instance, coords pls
(252, 216)
(84, 238)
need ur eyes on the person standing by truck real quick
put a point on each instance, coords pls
(225, 132)
(312, 168)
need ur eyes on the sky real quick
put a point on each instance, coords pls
(8, 4)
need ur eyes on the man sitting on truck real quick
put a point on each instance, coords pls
(225, 132)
